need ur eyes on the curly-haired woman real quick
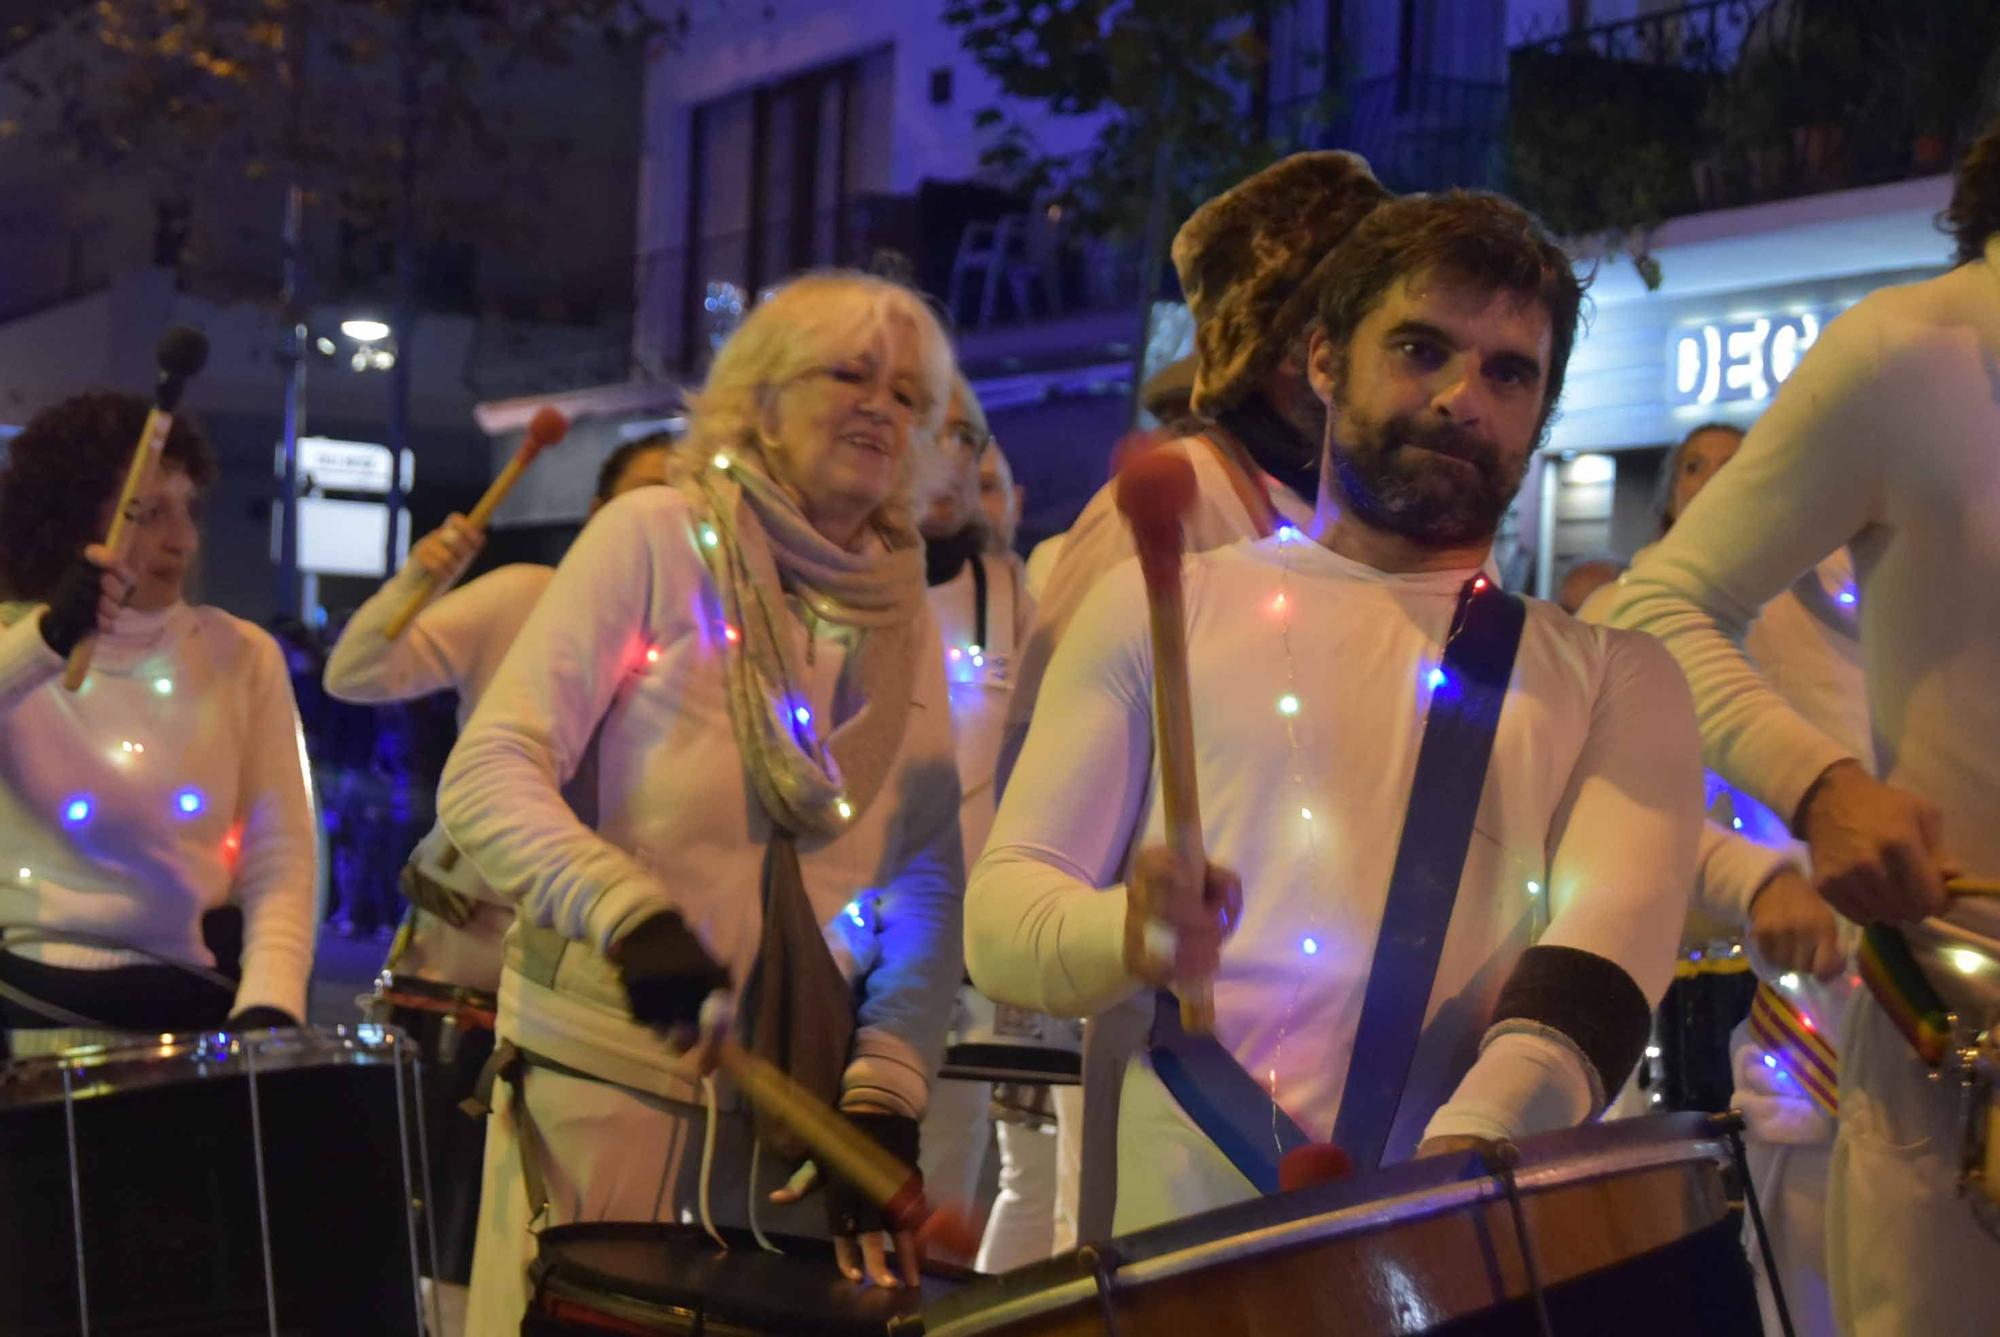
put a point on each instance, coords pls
(171, 784)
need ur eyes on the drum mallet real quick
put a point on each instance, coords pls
(181, 353)
(1156, 488)
(838, 1146)
(547, 427)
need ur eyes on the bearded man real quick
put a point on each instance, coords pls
(1490, 972)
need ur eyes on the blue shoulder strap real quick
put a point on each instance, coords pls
(1430, 858)
(1225, 1102)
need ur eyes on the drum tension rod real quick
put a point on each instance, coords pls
(1500, 1158)
(1730, 1125)
(1103, 1263)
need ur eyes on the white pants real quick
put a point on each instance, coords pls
(1791, 1185)
(608, 1154)
(1905, 1256)
(1021, 1229)
(1069, 1167)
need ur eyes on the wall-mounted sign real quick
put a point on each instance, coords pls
(327, 464)
(1725, 362)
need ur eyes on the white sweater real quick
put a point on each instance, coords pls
(1585, 835)
(1882, 440)
(622, 658)
(173, 783)
(455, 643)
(1100, 540)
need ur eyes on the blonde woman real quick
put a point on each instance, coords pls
(747, 657)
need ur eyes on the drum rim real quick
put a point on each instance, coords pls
(1933, 941)
(1536, 1173)
(172, 1058)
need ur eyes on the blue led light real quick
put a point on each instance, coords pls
(77, 810)
(1286, 533)
(1846, 596)
(1310, 946)
(189, 802)
(1770, 1062)
(802, 715)
(854, 913)
(1436, 679)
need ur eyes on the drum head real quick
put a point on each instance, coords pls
(674, 1276)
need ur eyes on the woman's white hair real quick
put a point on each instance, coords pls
(812, 320)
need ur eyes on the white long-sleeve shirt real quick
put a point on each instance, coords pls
(1882, 440)
(980, 668)
(1101, 539)
(623, 656)
(173, 783)
(456, 643)
(1585, 835)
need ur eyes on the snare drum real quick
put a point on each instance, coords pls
(214, 1184)
(1939, 981)
(993, 1042)
(599, 1277)
(452, 1026)
(1628, 1226)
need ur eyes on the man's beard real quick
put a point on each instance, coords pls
(1395, 476)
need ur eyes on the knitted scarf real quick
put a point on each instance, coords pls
(762, 551)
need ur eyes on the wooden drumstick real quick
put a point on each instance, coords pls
(837, 1145)
(1156, 488)
(1973, 886)
(181, 353)
(547, 427)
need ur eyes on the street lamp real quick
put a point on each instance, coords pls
(363, 330)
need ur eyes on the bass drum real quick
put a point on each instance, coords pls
(219, 1184)
(453, 1029)
(1619, 1227)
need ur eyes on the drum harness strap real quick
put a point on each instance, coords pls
(1229, 1105)
(511, 1062)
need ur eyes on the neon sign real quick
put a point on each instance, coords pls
(1729, 362)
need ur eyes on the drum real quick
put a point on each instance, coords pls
(452, 1026)
(215, 1184)
(1939, 981)
(599, 1277)
(1621, 1227)
(993, 1042)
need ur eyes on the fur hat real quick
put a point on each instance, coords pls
(1244, 257)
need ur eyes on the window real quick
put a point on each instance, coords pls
(774, 171)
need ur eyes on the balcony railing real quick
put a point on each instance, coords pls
(1729, 102)
(1702, 38)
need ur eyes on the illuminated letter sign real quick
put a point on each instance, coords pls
(1727, 362)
